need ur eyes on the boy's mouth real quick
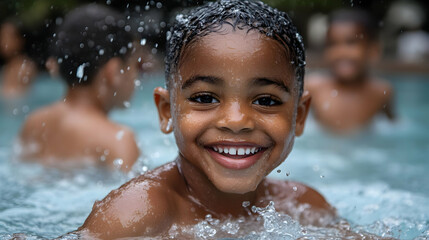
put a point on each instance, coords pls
(236, 156)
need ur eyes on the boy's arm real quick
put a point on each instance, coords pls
(138, 208)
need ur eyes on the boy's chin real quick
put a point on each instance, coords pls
(237, 185)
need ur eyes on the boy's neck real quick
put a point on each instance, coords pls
(86, 98)
(204, 193)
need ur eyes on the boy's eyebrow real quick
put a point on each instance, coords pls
(208, 79)
(269, 81)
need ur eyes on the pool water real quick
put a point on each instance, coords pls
(378, 180)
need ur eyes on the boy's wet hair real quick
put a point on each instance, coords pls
(250, 15)
(356, 16)
(87, 39)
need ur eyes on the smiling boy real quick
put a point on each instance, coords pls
(235, 103)
(349, 97)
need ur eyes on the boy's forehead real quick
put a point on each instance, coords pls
(239, 44)
(235, 55)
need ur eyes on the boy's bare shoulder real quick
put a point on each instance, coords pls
(382, 87)
(297, 192)
(143, 206)
(301, 202)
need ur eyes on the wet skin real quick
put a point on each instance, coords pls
(232, 90)
(349, 98)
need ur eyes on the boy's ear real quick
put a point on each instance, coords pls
(302, 112)
(162, 102)
(112, 70)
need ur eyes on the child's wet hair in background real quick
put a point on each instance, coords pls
(359, 17)
(82, 49)
(249, 15)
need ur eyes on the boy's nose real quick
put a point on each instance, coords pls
(235, 117)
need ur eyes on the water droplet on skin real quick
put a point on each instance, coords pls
(245, 204)
(119, 135)
(295, 189)
(334, 93)
(126, 104)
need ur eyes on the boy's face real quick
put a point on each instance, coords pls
(234, 108)
(348, 51)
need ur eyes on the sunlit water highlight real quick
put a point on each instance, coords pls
(377, 180)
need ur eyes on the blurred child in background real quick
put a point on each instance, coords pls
(99, 62)
(349, 97)
(19, 69)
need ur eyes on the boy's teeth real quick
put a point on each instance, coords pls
(232, 151)
(236, 151)
(240, 151)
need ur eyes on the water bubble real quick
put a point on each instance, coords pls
(245, 204)
(126, 104)
(137, 83)
(108, 2)
(101, 52)
(25, 109)
(127, 28)
(118, 162)
(79, 72)
(295, 188)
(143, 41)
(147, 7)
(123, 50)
(159, 5)
(279, 171)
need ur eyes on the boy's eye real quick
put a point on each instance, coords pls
(267, 101)
(204, 98)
